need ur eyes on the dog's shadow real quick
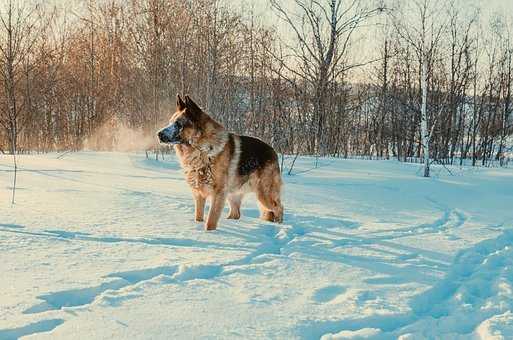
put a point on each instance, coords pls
(305, 221)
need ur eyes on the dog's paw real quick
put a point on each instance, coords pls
(267, 216)
(210, 226)
(233, 216)
(199, 219)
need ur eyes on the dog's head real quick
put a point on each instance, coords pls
(185, 126)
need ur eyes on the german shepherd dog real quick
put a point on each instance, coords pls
(220, 165)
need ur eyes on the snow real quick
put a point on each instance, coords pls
(104, 245)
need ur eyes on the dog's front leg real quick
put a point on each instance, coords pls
(199, 207)
(218, 200)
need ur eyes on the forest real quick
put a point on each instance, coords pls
(410, 80)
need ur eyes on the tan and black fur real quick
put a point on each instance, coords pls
(220, 165)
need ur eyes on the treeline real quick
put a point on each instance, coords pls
(68, 74)
(72, 78)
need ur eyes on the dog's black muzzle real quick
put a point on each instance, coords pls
(170, 134)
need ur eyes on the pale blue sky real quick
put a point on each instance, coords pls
(262, 6)
(362, 49)
(263, 11)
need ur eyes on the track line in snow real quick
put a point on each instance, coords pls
(122, 281)
(80, 236)
(449, 220)
(60, 174)
(477, 288)
(331, 244)
(119, 285)
(84, 296)
(275, 239)
(272, 240)
(33, 328)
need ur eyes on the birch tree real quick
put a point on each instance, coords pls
(421, 24)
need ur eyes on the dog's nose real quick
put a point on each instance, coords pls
(163, 138)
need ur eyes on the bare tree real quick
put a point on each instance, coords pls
(424, 38)
(18, 33)
(432, 87)
(320, 53)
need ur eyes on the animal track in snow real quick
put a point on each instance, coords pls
(475, 290)
(450, 219)
(33, 328)
(327, 294)
(117, 288)
(84, 296)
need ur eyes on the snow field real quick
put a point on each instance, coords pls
(103, 245)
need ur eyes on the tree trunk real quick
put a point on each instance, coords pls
(423, 118)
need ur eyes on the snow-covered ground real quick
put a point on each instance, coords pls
(103, 245)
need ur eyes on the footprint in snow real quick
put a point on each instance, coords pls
(327, 294)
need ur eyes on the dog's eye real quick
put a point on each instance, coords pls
(186, 123)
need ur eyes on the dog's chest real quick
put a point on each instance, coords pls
(197, 167)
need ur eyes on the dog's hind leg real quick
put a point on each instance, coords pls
(268, 195)
(235, 201)
(278, 210)
(265, 213)
(270, 205)
(271, 208)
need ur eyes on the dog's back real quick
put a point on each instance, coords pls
(254, 155)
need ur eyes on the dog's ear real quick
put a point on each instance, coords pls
(180, 105)
(191, 105)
